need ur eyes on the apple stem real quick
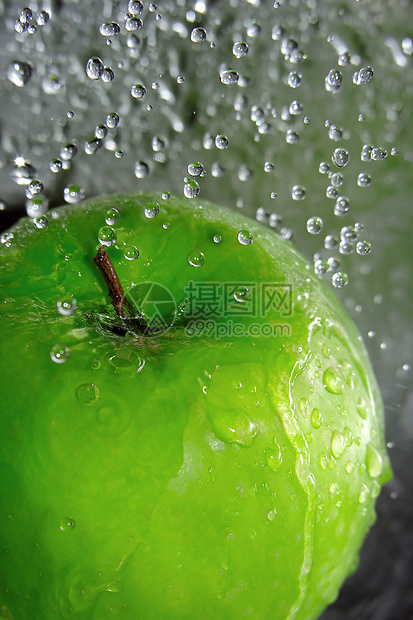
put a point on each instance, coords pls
(119, 302)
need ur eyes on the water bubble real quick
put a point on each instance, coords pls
(291, 137)
(298, 192)
(342, 206)
(335, 133)
(151, 210)
(108, 75)
(242, 294)
(133, 23)
(141, 170)
(66, 306)
(135, 7)
(365, 154)
(340, 157)
(314, 225)
(363, 76)
(67, 524)
(347, 233)
(68, 151)
(73, 193)
(94, 68)
(26, 15)
(191, 188)
(107, 236)
(87, 393)
(36, 207)
(323, 168)
(294, 79)
(316, 418)
(19, 27)
(363, 180)
(92, 146)
(59, 353)
(320, 267)
(22, 172)
(338, 444)
(339, 279)
(101, 131)
(228, 77)
(138, 91)
(40, 222)
(198, 35)
(378, 154)
(245, 237)
(240, 49)
(112, 120)
(130, 252)
(346, 248)
(295, 108)
(221, 141)
(42, 18)
(112, 216)
(331, 242)
(196, 169)
(19, 73)
(34, 187)
(333, 81)
(337, 179)
(109, 29)
(196, 259)
(55, 165)
(363, 248)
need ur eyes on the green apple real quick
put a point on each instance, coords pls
(190, 426)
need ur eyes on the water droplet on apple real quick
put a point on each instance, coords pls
(59, 353)
(316, 418)
(151, 210)
(96, 364)
(196, 259)
(363, 494)
(274, 457)
(349, 467)
(233, 427)
(362, 408)
(338, 444)
(323, 461)
(126, 362)
(242, 294)
(107, 236)
(245, 237)
(374, 461)
(112, 216)
(67, 524)
(87, 393)
(66, 306)
(130, 252)
(332, 382)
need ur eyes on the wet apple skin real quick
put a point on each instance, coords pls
(158, 498)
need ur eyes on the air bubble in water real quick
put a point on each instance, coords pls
(245, 237)
(151, 210)
(340, 157)
(73, 193)
(339, 279)
(138, 91)
(59, 353)
(191, 188)
(19, 73)
(314, 225)
(198, 35)
(240, 49)
(228, 77)
(94, 68)
(107, 236)
(363, 76)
